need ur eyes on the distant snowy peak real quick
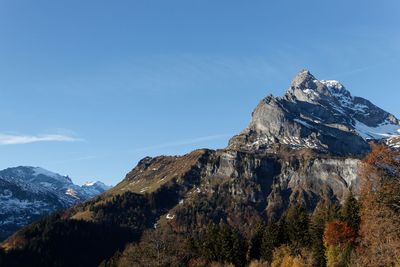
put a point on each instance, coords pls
(87, 184)
(28, 193)
(39, 179)
(96, 186)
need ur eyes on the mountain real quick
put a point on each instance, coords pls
(94, 188)
(317, 114)
(29, 193)
(303, 148)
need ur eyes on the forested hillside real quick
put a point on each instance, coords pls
(362, 231)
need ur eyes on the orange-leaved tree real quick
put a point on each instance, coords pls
(339, 240)
(380, 209)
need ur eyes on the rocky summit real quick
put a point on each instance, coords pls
(317, 114)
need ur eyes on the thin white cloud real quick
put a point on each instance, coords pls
(366, 68)
(14, 139)
(182, 142)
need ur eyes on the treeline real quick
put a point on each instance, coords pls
(310, 240)
(68, 243)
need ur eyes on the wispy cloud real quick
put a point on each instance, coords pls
(366, 68)
(15, 139)
(182, 142)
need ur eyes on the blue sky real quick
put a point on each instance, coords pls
(90, 87)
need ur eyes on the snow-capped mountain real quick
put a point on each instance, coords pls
(318, 114)
(28, 193)
(94, 188)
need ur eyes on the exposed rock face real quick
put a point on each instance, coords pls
(320, 115)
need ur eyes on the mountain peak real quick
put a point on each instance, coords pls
(303, 78)
(305, 87)
(316, 114)
(97, 185)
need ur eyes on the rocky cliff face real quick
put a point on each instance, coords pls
(242, 187)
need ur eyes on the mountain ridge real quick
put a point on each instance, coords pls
(28, 193)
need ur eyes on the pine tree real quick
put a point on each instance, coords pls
(270, 240)
(254, 251)
(212, 244)
(350, 212)
(1, 257)
(323, 213)
(296, 227)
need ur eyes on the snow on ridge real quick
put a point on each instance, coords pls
(383, 130)
(89, 184)
(97, 184)
(344, 97)
(40, 171)
(332, 84)
(310, 92)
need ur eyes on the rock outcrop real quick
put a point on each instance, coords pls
(317, 114)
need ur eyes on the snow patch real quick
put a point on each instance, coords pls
(383, 130)
(40, 171)
(332, 84)
(89, 184)
(304, 123)
(71, 192)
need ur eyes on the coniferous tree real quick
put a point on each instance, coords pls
(238, 255)
(1, 257)
(350, 212)
(296, 227)
(210, 246)
(255, 244)
(271, 240)
(323, 213)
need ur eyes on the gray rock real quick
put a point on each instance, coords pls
(317, 114)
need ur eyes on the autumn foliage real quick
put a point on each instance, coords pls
(338, 233)
(379, 243)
